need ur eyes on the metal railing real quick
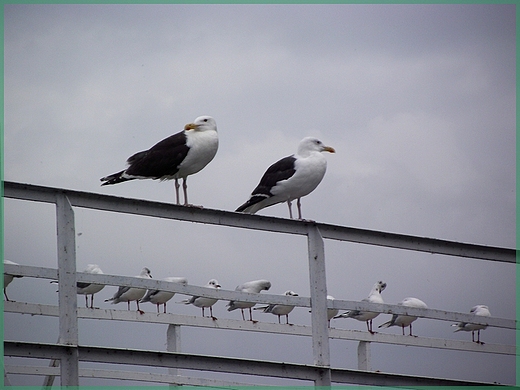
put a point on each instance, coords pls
(69, 352)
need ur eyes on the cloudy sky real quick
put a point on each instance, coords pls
(418, 101)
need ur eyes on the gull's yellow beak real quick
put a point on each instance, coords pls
(329, 149)
(190, 126)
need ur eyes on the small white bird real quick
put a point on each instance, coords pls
(331, 313)
(292, 177)
(175, 157)
(8, 278)
(479, 310)
(83, 288)
(279, 310)
(160, 297)
(203, 302)
(253, 287)
(90, 288)
(367, 316)
(402, 320)
(129, 294)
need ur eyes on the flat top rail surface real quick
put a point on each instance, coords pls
(111, 203)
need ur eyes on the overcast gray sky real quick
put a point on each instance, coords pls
(418, 101)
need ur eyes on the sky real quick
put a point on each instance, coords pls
(417, 100)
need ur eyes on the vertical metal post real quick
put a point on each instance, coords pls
(318, 287)
(173, 344)
(67, 294)
(363, 355)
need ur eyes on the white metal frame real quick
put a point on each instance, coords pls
(70, 353)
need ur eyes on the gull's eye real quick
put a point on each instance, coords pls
(205, 120)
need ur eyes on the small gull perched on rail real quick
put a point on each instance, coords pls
(175, 157)
(479, 310)
(292, 177)
(160, 297)
(204, 302)
(84, 288)
(90, 288)
(367, 316)
(129, 294)
(403, 320)
(279, 310)
(254, 287)
(331, 313)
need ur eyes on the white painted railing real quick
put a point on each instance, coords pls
(69, 352)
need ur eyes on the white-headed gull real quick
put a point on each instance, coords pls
(279, 310)
(8, 278)
(203, 302)
(84, 288)
(253, 287)
(160, 297)
(331, 313)
(402, 320)
(479, 310)
(175, 157)
(367, 316)
(292, 177)
(90, 288)
(129, 294)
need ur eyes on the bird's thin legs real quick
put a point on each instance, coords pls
(299, 204)
(185, 190)
(177, 186)
(289, 203)
(137, 303)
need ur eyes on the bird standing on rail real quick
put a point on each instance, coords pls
(367, 316)
(160, 297)
(204, 302)
(479, 310)
(255, 287)
(290, 178)
(403, 320)
(175, 157)
(129, 294)
(278, 309)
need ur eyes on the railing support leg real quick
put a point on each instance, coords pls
(67, 291)
(363, 353)
(173, 344)
(318, 284)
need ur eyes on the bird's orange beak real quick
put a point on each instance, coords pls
(190, 126)
(329, 149)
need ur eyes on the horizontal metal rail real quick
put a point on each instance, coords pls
(273, 224)
(138, 376)
(261, 327)
(220, 364)
(221, 294)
